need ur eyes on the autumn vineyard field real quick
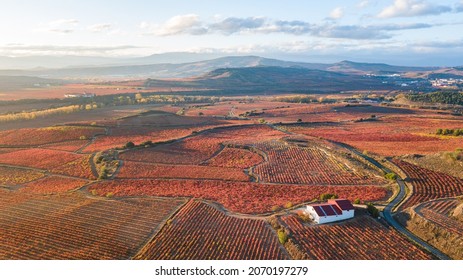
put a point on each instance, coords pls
(209, 180)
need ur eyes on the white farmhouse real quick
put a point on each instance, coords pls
(332, 211)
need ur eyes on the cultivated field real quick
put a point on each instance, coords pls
(201, 232)
(203, 179)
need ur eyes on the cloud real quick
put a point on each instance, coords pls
(21, 49)
(192, 25)
(181, 24)
(363, 4)
(61, 26)
(234, 25)
(337, 13)
(100, 27)
(459, 7)
(412, 8)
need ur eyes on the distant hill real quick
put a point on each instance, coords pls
(274, 79)
(198, 68)
(8, 83)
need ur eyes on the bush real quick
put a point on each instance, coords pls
(282, 236)
(326, 196)
(129, 145)
(357, 201)
(275, 208)
(374, 212)
(391, 176)
(261, 120)
(288, 205)
(110, 194)
(299, 120)
(83, 137)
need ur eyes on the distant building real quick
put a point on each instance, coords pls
(79, 95)
(332, 211)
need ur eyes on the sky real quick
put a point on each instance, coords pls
(403, 32)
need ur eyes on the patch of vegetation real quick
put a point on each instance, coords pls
(446, 131)
(374, 212)
(282, 236)
(391, 176)
(326, 196)
(445, 97)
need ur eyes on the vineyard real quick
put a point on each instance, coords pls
(234, 157)
(17, 176)
(292, 164)
(120, 136)
(201, 232)
(362, 238)
(53, 185)
(80, 167)
(69, 146)
(75, 227)
(429, 185)
(241, 197)
(40, 136)
(131, 169)
(438, 212)
(197, 149)
(38, 158)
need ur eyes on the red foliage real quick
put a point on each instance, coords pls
(71, 226)
(429, 185)
(80, 167)
(300, 165)
(47, 135)
(233, 157)
(132, 169)
(53, 184)
(200, 232)
(239, 197)
(17, 176)
(362, 238)
(197, 149)
(69, 146)
(38, 158)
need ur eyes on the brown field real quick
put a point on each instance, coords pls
(76, 227)
(222, 237)
(361, 238)
(71, 189)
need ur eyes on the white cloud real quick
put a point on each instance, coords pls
(100, 27)
(411, 8)
(363, 4)
(22, 49)
(337, 13)
(60, 26)
(181, 24)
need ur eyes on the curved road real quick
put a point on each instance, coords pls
(389, 208)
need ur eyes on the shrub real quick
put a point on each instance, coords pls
(357, 201)
(391, 176)
(282, 236)
(83, 137)
(275, 208)
(374, 212)
(129, 145)
(261, 120)
(439, 131)
(110, 194)
(299, 120)
(288, 205)
(326, 196)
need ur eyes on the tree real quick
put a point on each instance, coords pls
(129, 145)
(374, 212)
(391, 176)
(439, 131)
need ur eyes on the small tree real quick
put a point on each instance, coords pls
(282, 236)
(299, 120)
(439, 131)
(357, 201)
(391, 176)
(326, 196)
(129, 145)
(261, 120)
(374, 212)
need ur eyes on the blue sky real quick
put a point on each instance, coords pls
(416, 32)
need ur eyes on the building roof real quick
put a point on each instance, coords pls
(326, 209)
(343, 204)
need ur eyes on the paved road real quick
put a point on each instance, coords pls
(389, 209)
